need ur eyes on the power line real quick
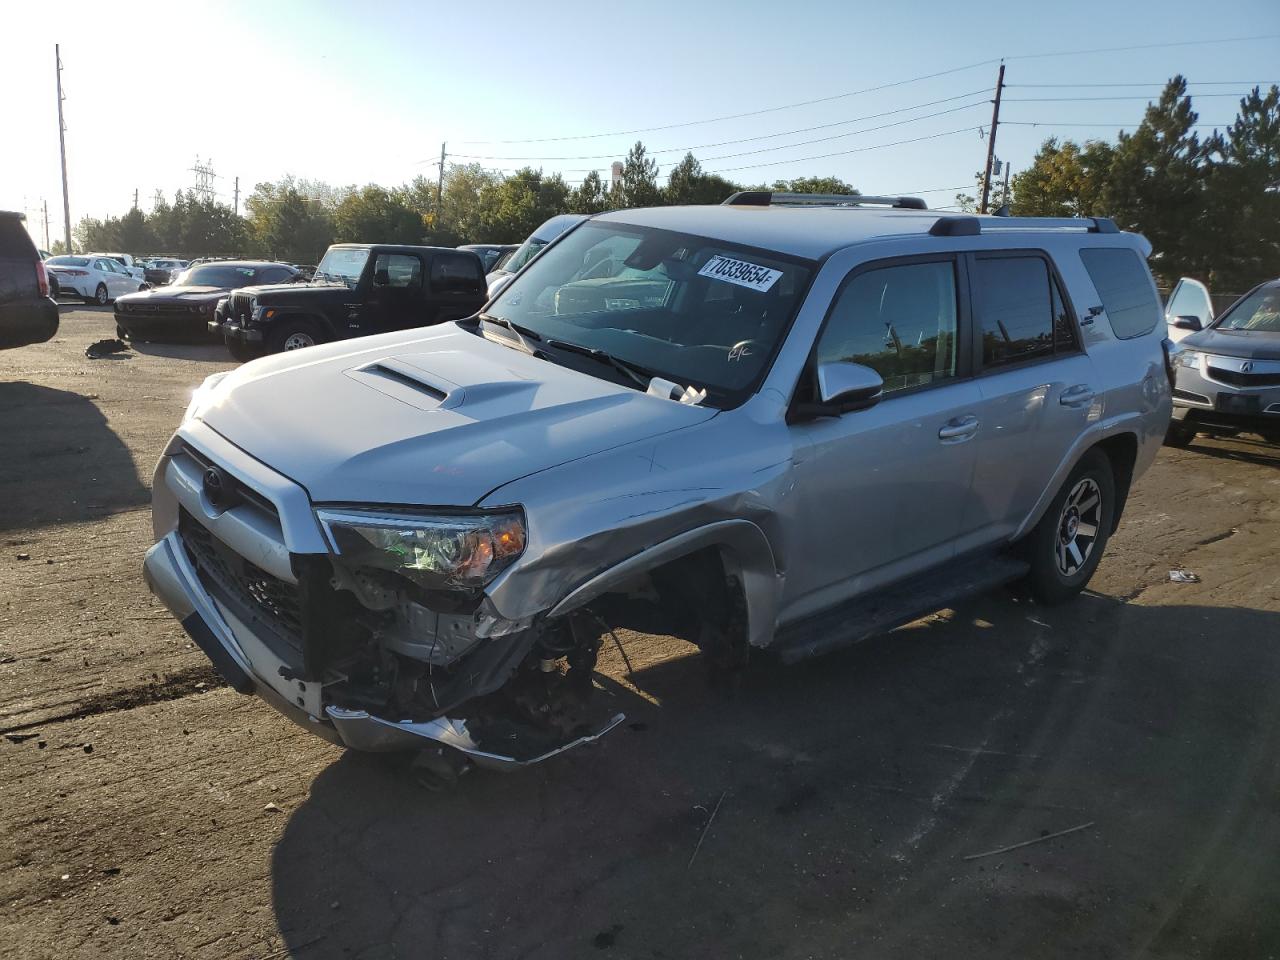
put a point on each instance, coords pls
(1125, 123)
(1124, 97)
(843, 153)
(751, 113)
(764, 136)
(1144, 46)
(1159, 84)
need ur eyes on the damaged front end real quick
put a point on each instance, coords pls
(384, 641)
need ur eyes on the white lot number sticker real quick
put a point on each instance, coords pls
(750, 275)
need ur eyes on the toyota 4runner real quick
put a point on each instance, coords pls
(782, 423)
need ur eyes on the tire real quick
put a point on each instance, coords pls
(294, 334)
(1179, 435)
(54, 290)
(243, 352)
(101, 297)
(1062, 555)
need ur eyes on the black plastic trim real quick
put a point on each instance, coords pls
(223, 662)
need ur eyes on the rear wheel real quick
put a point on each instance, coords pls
(100, 296)
(294, 335)
(1066, 546)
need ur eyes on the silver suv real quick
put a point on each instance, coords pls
(782, 423)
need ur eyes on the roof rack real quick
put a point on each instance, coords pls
(772, 198)
(966, 226)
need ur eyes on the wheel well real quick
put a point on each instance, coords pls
(1122, 451)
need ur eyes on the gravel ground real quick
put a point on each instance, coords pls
(148, 811)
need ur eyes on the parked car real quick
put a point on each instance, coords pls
(132, 267)
(358, 289)
(770, 424)
(499, 276)
(93, 278)
(27, 314)
(183, 309)
(1188, 309)
(490, 253)
(1228, 373)
(52, 278)
(160, 271)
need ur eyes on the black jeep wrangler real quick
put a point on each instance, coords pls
(358, 289)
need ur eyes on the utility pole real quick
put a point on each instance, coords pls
(135, 198)
(1007, 167)
(440, 183)
(156, 198)
(46, 222)
(991, 141)
(62, 149)
(237, 195)
(204, 179)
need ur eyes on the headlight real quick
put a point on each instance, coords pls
(203, 396)
(1187, 358)
(449, 552)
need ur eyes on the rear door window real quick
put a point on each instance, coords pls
(14, 241)
(456, 273)
(1019, 309)
(1124, 285)
(397, 270)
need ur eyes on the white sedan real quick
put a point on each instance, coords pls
(93, 278)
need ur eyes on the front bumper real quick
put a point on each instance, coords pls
(176, 326)
(1203, 397)
(235, 331)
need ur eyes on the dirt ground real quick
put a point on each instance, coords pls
(830, 810)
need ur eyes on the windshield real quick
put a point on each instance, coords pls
(218, 275)
(342, 265)
(1260, 310)
(67, 261)
(696, 311)
(524, 254)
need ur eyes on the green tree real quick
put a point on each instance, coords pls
(376, 215)
(1156, 184)
(1242, 210)
(136, 235)
(639, 184)
(688, 183)
(814, 185)
(514, 208)
(1064, 180)
(589, 196)
(286, 224)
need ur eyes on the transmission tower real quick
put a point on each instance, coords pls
(203, 185)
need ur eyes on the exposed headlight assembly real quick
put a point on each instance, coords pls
(460, 552)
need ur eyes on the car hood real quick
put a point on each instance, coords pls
(436, 417)
(293, 292)
(172, 293)
(1246, 344)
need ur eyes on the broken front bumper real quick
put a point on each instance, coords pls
(249, 666)
(235, 331)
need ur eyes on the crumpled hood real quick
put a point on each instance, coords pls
(435, 417)
(1246, 344)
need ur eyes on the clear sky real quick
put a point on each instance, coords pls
(353, 93)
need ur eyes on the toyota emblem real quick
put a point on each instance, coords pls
(215, 487)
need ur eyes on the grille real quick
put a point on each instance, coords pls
(1237, 379)
(251, 590)
(237, 492)
(239, 307)
(1190, 397)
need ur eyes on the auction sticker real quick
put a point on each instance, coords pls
(744, 274)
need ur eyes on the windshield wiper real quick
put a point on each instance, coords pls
(523, 334)
(641, 375)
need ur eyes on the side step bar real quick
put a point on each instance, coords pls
(885, 610)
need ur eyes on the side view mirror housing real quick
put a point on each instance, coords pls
(846, 386)
(1187, 323)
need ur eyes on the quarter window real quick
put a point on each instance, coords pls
(456, 273)
(1124, 285)
(900, 321)
(398, 271)
(1020, 311)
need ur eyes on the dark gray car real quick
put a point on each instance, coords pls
(1228, 375)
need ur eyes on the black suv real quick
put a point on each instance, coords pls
(358, 289)
(27, 315)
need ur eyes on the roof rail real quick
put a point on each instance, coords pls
(767, 198)
(970, 226)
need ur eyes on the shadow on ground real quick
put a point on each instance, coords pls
(201, 352)
(1245, 448)
(849, 791)
(59, 460)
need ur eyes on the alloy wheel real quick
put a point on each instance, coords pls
(296, 341)
(1078, 526)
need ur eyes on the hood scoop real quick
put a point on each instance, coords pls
(408, 384)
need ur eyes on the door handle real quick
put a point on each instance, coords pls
(1077, 396)
(958, 429)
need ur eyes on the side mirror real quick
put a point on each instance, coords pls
(381, 278)
(1187, 323)
(848, 386)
